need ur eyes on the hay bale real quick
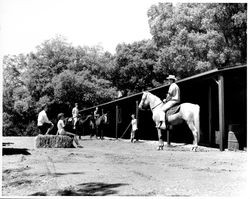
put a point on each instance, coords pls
(53, 141)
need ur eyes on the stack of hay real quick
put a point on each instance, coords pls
(53, 141)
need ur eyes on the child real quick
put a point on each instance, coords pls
(134, 127)
(61, 131)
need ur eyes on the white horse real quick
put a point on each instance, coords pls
(190, 113)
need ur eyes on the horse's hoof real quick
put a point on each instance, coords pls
(160, 148)
(194, 148)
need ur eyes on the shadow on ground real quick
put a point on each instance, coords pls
(7, 143)
(86, 189)
(70, 173)
(15, 151)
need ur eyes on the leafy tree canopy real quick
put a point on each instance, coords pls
(193, 38)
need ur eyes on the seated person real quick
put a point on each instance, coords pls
(61, 131)
(43, 123)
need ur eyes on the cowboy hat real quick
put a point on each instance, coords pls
(172, 77)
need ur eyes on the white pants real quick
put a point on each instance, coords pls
(75, 120)
(165, 107)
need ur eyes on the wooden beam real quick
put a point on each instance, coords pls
(221, 111)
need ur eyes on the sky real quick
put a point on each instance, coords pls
(25, 24)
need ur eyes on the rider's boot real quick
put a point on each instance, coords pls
(162, 123)
(159, 125)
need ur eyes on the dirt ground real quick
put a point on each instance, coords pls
(113, 167)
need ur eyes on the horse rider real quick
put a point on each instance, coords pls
(172, 98)
(75, 113)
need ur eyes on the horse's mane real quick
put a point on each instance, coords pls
(148, 93)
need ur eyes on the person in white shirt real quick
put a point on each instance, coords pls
(96, 113)
(61, 130)
(134, 127)
(75, 113)
(172, 98)
(43, 123)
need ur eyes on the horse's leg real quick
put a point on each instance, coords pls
(102, 133)
(96, 132)
(195, 134)
(103, 130)
(161, 143)
(99, 132)
(169, 128)
(81, 132)
(91, 133)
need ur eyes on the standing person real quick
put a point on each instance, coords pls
(61, 130)
(43, 123)
(91, 127)
(96, 113)
(75, 113)
(96, 116)
(134, 127)
(172, 98)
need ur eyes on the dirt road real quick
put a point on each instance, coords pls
(119, 168)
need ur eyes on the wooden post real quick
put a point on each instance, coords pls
(137, 110)
(169, 128)
(137, 117)
(168, 138)
(116, 121)
(210, 114)
(221, 111)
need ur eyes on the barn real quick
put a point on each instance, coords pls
(221, 94)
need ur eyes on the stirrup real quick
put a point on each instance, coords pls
(159, 125)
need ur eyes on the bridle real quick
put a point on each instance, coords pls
(155, 105)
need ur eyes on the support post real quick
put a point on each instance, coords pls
(169, 128)
(116, 121)
(137, 117)
(137, 110)
(210, 114)
(221, 111)
(168, 137)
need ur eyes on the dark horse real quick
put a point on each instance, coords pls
(100, 124)
(80, 125)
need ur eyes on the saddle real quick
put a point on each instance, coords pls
(173, 110)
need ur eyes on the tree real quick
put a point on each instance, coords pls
(193, 38)
(134, 69)
(82, 87)
(13, 89)
(58, 75)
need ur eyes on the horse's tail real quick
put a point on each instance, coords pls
(197, 121)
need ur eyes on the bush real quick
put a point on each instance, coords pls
(32, 129)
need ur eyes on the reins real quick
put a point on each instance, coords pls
(156, 106)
